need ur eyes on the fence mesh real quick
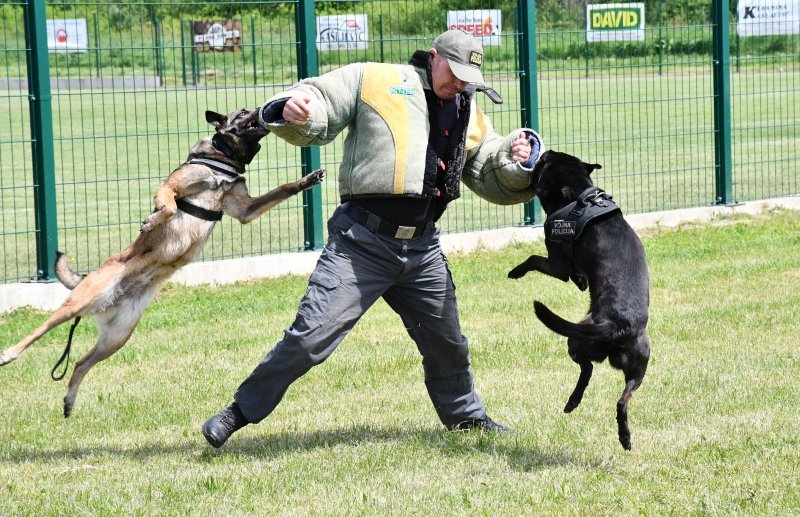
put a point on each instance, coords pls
(130, 104)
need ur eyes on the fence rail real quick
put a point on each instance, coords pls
(692, 114)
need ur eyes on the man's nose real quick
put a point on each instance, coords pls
(458, 83)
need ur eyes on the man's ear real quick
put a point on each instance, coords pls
(215, 119)
(589, 167)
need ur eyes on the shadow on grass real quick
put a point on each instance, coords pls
(521, 452)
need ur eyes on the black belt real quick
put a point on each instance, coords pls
(197, 211)
(373, 222)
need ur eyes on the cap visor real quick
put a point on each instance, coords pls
(466, 73)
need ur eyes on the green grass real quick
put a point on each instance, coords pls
(715, 424)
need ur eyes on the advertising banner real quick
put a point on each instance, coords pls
(218, 35)
(615, 22)
(67, 35)
(342, 32)
(484, 24)
(768, 17)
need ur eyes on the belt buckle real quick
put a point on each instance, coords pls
(405, 232)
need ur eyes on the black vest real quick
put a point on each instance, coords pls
(565, 225)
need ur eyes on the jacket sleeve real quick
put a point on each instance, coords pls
(334, 99)
(489, 171)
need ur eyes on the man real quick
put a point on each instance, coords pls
(414, 134)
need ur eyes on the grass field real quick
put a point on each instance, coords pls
(715, 424)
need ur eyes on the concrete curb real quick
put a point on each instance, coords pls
(49, 296)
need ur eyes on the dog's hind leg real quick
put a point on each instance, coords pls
(115, 327)
(622, 412)
(580, 387)
(86, 295)
(64, 313)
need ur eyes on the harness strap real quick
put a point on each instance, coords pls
(224, 168)
(198, 211)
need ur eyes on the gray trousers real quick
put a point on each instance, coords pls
(357, 267)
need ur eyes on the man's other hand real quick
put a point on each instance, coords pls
(520, 149)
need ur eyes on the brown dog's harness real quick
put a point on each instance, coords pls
(565, 225)
(198, 211)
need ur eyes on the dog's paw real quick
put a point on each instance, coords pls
(152, 221)
(6, 358)
(312, 178)
(518, 272)
(579, 280)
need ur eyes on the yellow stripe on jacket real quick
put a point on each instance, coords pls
(375, 91)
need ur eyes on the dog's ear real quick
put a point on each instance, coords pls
(589, 167)
(215, 119)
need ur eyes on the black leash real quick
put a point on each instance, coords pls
(65, 355)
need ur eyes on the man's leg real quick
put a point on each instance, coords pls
(425, 299)
(347, 280)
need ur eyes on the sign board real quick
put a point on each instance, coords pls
(342, 32)
(218, 35)
(615, 22)
(767, 17)
(67, 35)
(484, 24)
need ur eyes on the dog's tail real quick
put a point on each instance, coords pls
(65, 275)
(604, 331)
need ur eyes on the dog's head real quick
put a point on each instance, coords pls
(237, 134)
(560, 178)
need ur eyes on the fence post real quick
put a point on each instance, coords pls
(41, 113)
(722, 102)
(529, 98)
(307, 67)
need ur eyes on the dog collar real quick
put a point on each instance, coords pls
(218, 166)
(566, 224)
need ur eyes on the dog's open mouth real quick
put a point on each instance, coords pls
(250, 127)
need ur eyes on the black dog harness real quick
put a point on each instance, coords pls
(565, 225)
(198, 211)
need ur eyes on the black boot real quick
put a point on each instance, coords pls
(221, 426)
(485, 424)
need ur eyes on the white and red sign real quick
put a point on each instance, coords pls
(484, 24)
(342, 32)
(67, 35)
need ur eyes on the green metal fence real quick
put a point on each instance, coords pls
(693, 114)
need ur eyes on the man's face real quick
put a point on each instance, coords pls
(445, 84)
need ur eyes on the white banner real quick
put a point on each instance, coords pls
(67, 35)
(342, 32)
(615, 22)
(484, 24)
(768, 17)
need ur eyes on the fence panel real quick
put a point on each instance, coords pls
(130, 109)
(18, 231)
(642, 111)
(765, 109)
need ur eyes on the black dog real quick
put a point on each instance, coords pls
(590, 242)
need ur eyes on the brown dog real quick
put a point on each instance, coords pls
(589, 242)
(187, 206)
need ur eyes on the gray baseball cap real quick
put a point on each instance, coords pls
(463, 53)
